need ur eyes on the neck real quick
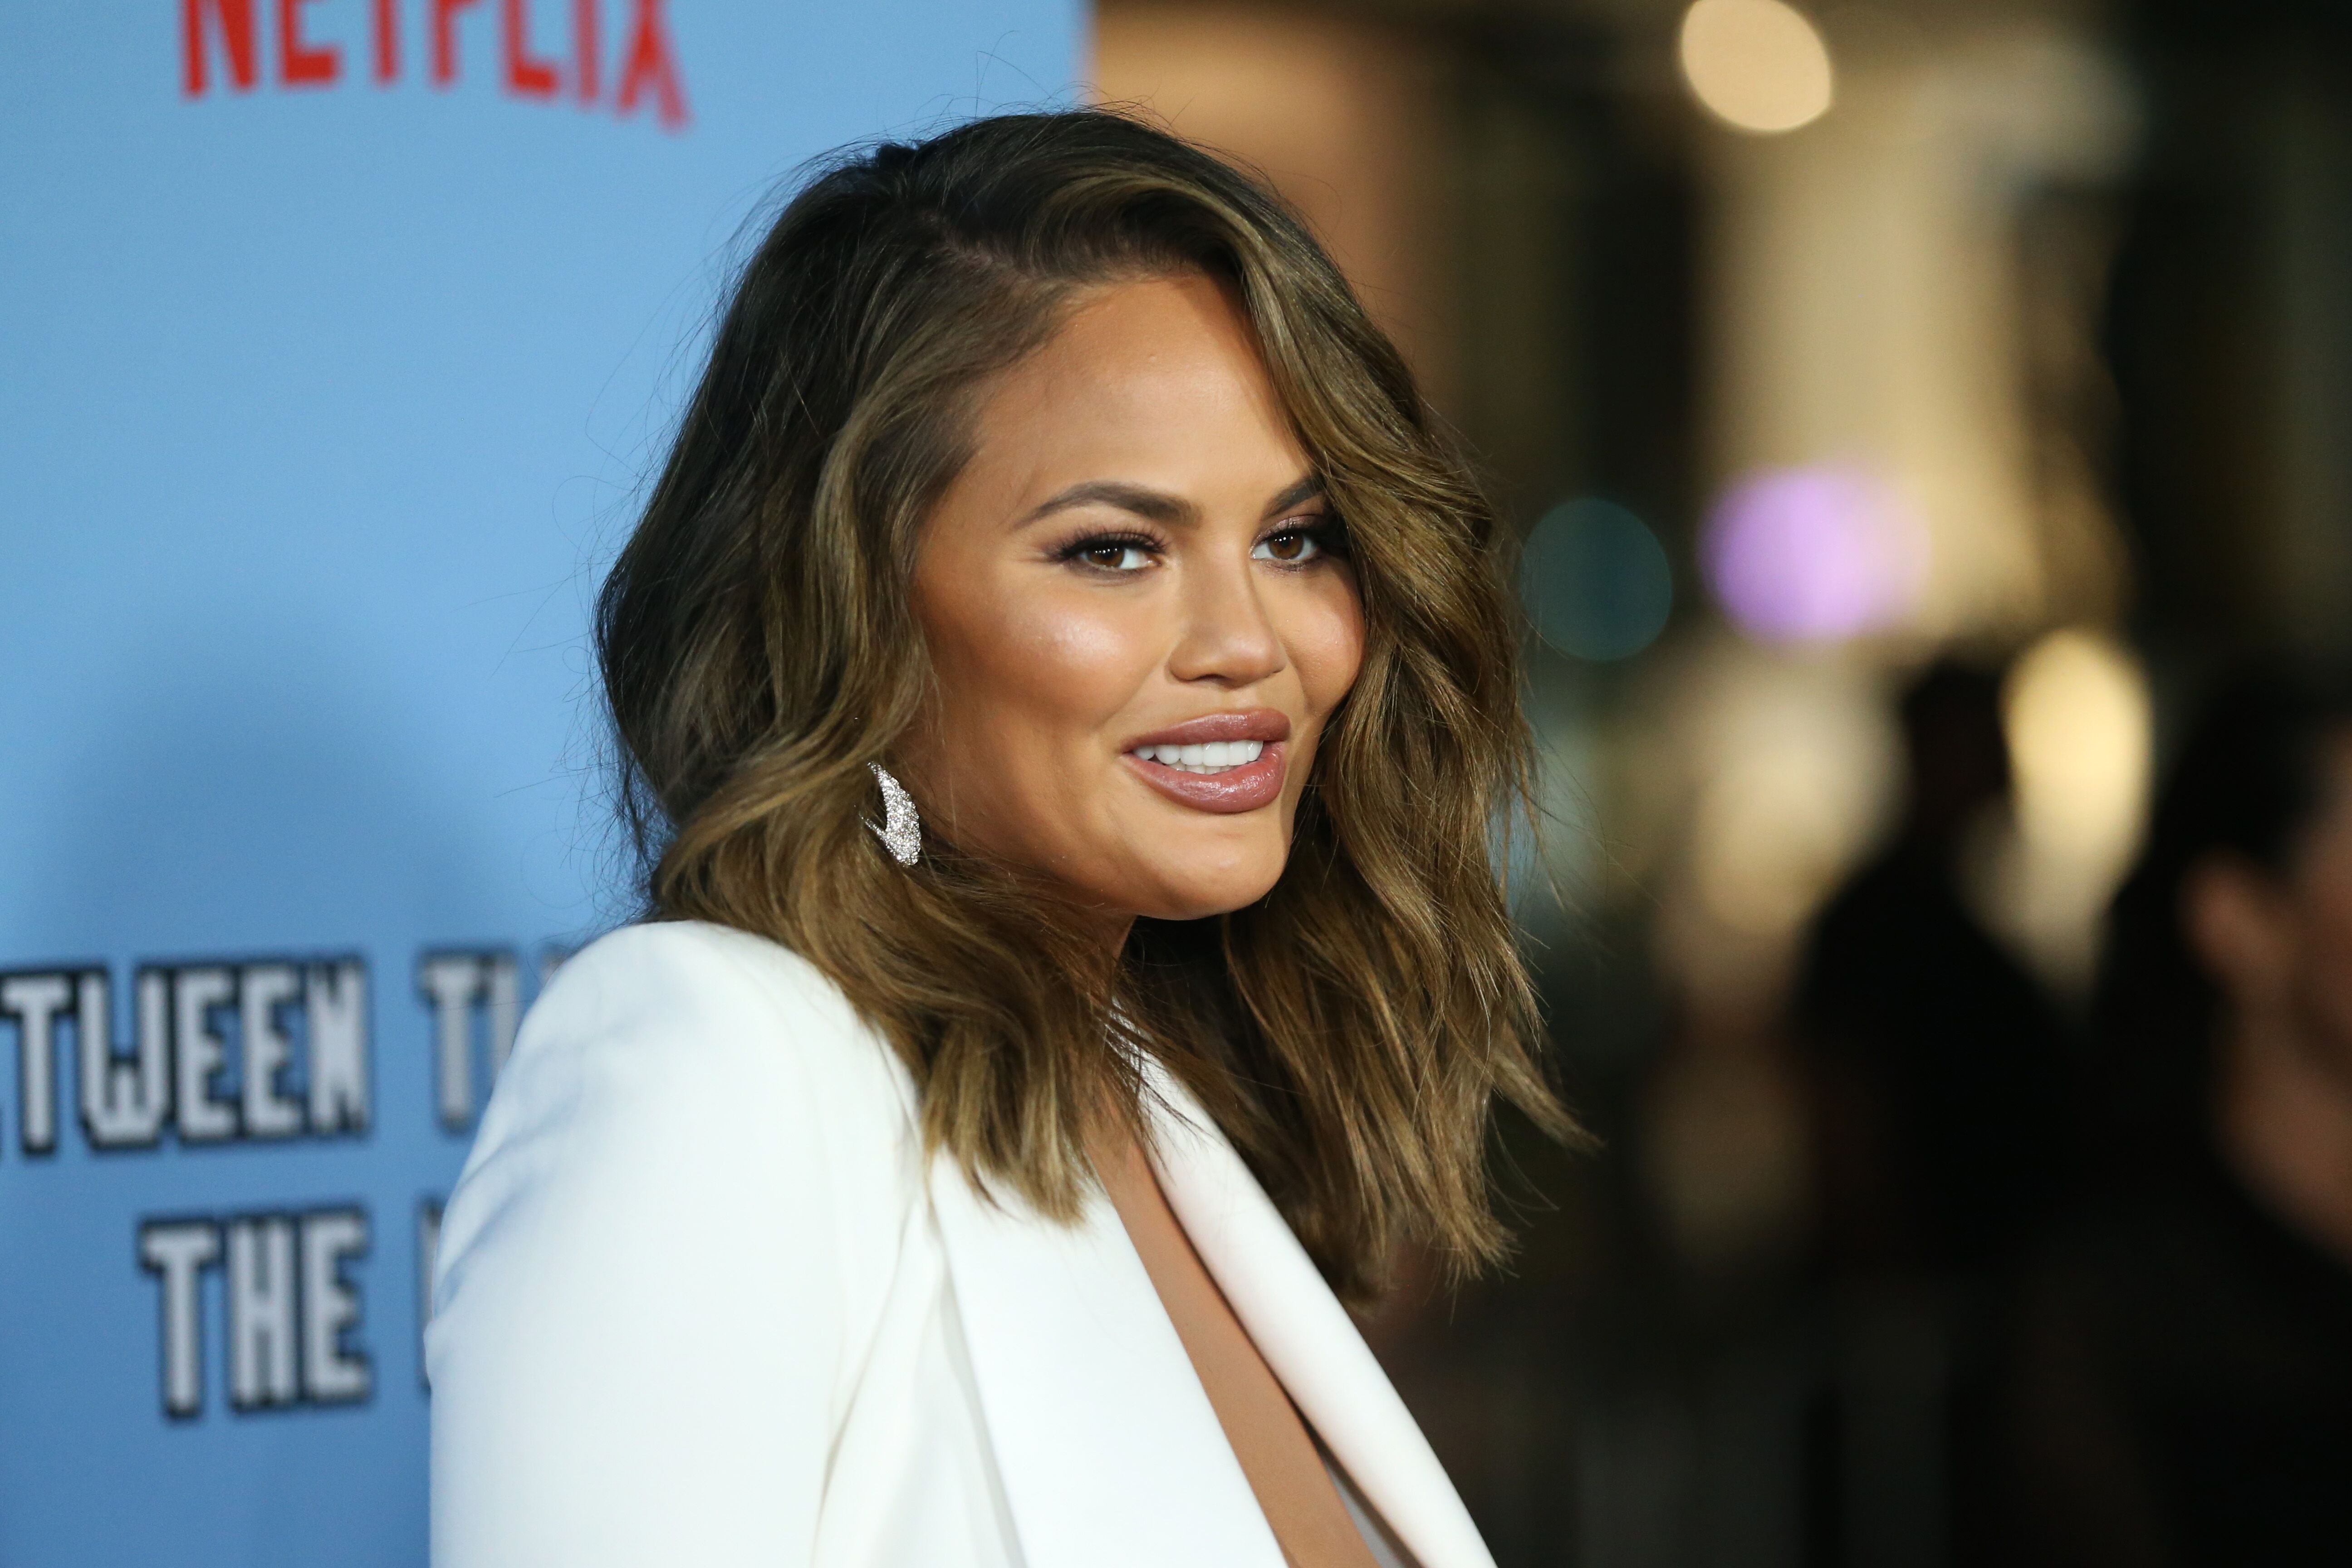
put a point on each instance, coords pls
(1115, 935)
(1106, 930)
(2285, 1128)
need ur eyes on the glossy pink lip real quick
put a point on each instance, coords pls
(1245, 788)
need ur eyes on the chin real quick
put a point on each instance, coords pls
(1196, 897)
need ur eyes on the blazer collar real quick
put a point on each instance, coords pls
(1306, 1336)
(1107, 1447)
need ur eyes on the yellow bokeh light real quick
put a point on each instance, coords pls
(2079, 729)
(1758, 65)
(2081, 735)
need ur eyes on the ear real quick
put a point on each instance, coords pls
(2240, 927)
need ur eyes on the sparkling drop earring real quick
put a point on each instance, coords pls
(901, 830)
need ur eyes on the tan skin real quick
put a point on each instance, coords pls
(1136, 542)
(1136, 552)
(2281, 950)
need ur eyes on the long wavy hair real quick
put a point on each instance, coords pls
(1351, 1031)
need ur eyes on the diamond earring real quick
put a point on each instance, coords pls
(901, 831)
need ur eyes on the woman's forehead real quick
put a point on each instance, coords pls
(1157, 384)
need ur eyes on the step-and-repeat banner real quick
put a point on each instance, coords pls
(336, 339)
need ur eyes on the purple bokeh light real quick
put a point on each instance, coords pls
(1815, 553)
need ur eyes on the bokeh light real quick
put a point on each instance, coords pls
(1795, 777)
(2080, 723)
(2077, 711)
(1595, 580)
(1813, 554)
(1758, 65)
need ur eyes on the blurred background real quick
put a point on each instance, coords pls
(1912, 411)
(1928, 424)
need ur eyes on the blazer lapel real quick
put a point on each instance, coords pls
(1107, 1449)
(1306, 1336)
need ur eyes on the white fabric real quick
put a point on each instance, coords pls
(701, 1300)
(1306, 1336)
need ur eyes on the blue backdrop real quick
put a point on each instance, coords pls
(337, 337)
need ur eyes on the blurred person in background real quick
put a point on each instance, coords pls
(1938, 1072)
(2182, 1381)
(1938, 1061)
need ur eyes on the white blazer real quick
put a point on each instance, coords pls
(700, 1301)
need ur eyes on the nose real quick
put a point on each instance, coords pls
(1228, 640)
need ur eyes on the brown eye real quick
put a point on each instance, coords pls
(1111, 554)
(1290, 547)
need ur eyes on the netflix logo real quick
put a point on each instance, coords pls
(323, 42)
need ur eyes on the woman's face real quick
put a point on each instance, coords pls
(1139, 611)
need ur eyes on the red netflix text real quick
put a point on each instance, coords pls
(321, 43)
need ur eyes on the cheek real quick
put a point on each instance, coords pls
(2327, 961)
(1019, 660)
(1327, 642)
(2328, 919)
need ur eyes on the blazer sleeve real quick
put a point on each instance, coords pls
(639, 1308)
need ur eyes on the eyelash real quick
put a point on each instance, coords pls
(1075, 552)
(1324, 531)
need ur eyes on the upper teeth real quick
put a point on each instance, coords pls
(1208, 757)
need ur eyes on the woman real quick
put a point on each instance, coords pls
(1066, 689)
(2183, 1381)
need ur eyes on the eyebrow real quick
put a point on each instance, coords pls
(1156, 506)
(1306, 490)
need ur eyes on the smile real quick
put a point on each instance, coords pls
(1209, 757)
(1219, 762)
